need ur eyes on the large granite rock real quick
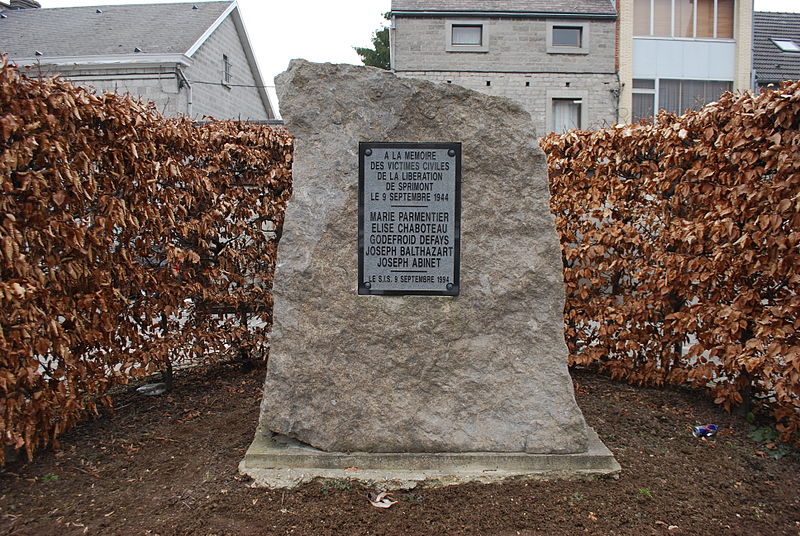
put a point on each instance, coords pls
(484, 371)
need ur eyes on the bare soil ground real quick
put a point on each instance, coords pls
(167, 466)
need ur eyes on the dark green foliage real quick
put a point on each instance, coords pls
(378, 56)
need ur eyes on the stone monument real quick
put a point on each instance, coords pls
(462, 379)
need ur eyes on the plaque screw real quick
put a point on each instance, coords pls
(451, 152)
(367, 285)
(368, 152)
(449, 286)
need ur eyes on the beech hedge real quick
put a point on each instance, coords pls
(127, 241)
(680, 248)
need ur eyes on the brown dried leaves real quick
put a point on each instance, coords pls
(111, 215)
(680, 248)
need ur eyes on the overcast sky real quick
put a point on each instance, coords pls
(320, 30)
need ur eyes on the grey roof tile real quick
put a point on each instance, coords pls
(81, 31)
(770, 63)
(592, 7)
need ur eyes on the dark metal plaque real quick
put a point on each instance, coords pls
(409, 218)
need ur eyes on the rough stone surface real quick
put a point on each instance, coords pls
(484, 371)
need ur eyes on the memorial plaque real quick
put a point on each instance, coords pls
(409, 218)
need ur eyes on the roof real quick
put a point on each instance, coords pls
(770, 63)
(82, 31)
(112, 35)
(506, 7)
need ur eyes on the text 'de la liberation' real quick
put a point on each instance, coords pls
(409, 218)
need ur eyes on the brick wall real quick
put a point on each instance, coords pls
(514, 45)
(516, 64)
(534, 92)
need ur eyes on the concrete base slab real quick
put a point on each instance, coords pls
(281, 462)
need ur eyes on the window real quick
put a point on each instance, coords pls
(684, 18)
(468, 36)
(705, 19)
(644, 99)
(572, 38)
(566, 109)
(566, 114)
(674, 96)
(565, 36)
(787, 45)
(644, 106)
(226, 70)
(692, 19)
(724, 19)
(677, 96)
(641, 17)
(661, 22)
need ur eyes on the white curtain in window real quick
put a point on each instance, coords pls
(677, 96)
(693, 95)
(669, 96)
(714, 90)
(643, 106)
(566, 114)
(467, 35)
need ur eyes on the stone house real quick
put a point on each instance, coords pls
(192, 59)
(681, 54)
(555, 57)
(776, 47)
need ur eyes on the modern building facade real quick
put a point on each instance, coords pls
(191, 59)
(556, 58)
(681, 54)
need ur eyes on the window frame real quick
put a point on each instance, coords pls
(482, 23)
(792, 48)
(656, 92)
(227, 68)
(583, 26)
(673, 26)
(567, 94)
(684, 90)
(651, 92)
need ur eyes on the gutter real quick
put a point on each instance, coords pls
(518, 14)
(108, 61)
